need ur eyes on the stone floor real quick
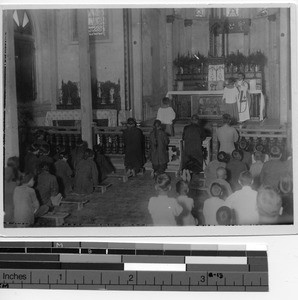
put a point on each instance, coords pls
(123, 204)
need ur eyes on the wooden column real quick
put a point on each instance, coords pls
(10, 99)
(273, 68)
(169, 47)
(54, 66)
(214, 147)
(85, 77)
(137, 70)
(284, 69)
(246, 44)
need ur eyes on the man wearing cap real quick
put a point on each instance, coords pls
(274, 169)
(193, 136)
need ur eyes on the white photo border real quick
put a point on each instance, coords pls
(151, 231)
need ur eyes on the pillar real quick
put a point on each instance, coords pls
(214, 147)
(85, 77)
(11, 139)
(54, 66)
(169, 47)
(273, 69)
(284, 68)
(137, 70)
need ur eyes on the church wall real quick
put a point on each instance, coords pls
(154, 60)
(107, 57)
(200, 36)
(44, 67)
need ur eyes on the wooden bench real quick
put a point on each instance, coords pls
(122, 176)
(80, 203)
(103, 187)
(58, 217)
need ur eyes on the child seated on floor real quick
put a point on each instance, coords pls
(25, 202)
(212, 204)
(86, 174)
(77, 153)
(47, 188)
(234, 167)
(31, 160)
(163, 209)
(185, 218)
(286, 192)
(63, 173)
(269, 206)
(224, 216)
(210, 170)
(104, 165)
(12, 177)
(243, 146)
(221, 178)
(256, 168)
(44, 156)
(274, 169)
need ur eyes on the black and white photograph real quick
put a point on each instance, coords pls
(148, 118)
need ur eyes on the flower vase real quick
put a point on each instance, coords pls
(69, 101)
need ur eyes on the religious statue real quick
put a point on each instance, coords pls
(112, 92)
(98, 90)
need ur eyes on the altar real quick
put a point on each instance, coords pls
(209, 104)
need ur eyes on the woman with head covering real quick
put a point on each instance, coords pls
(134, 144)
(193, 136)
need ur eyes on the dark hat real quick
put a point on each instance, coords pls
(33, 147)
(237, 154)
(63, 154)
(131, 121)
(258, 155)
(275, 151)
(260, 147)
(243, 144)
(195, 118)
(224, 215)
(223, 156)
(215, 189)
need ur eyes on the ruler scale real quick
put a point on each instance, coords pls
(127, 266)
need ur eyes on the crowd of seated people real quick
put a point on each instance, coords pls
(244, 187)
(47, 176)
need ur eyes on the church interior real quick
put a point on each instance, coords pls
(73, 75)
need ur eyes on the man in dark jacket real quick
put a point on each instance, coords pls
(193, 135)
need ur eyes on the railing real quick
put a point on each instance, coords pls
(267, 137)
(111, 139)
(66, 136)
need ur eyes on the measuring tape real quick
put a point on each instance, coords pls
(128, 266)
